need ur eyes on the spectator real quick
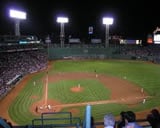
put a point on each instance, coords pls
(154, 118)
(155, 112)
(121, 122)
(109, 121)
(130, 120)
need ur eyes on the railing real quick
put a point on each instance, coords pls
(56, 119)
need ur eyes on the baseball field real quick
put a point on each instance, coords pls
(69, 85)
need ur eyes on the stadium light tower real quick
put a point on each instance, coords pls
(107, 21)
(17, 16)
(62, 21)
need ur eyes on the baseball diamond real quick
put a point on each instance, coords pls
(62, 87)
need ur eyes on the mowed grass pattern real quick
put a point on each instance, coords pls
(146, 75)
(93, 90)
(19, 109)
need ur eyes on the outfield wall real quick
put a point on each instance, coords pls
(84, 53)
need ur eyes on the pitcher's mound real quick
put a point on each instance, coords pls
(77, 89)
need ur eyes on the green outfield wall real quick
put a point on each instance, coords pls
(84, 53)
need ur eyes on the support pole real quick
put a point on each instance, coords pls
(107, 36)
(17, 27)
(62, 35)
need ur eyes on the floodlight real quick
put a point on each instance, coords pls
(17, 14)
(62, 20)
(108, 21)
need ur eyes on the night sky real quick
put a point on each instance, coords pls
(132, 19)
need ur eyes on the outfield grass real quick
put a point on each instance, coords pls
(143, 74)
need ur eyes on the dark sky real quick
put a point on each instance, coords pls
(132, 19)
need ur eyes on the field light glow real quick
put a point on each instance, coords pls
(62, 20)
(108, 21)
(17, 14)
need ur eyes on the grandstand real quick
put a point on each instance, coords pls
(17, 60)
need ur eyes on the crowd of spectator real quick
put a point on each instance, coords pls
(149, 53)
(19, 64)
(128, 120)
